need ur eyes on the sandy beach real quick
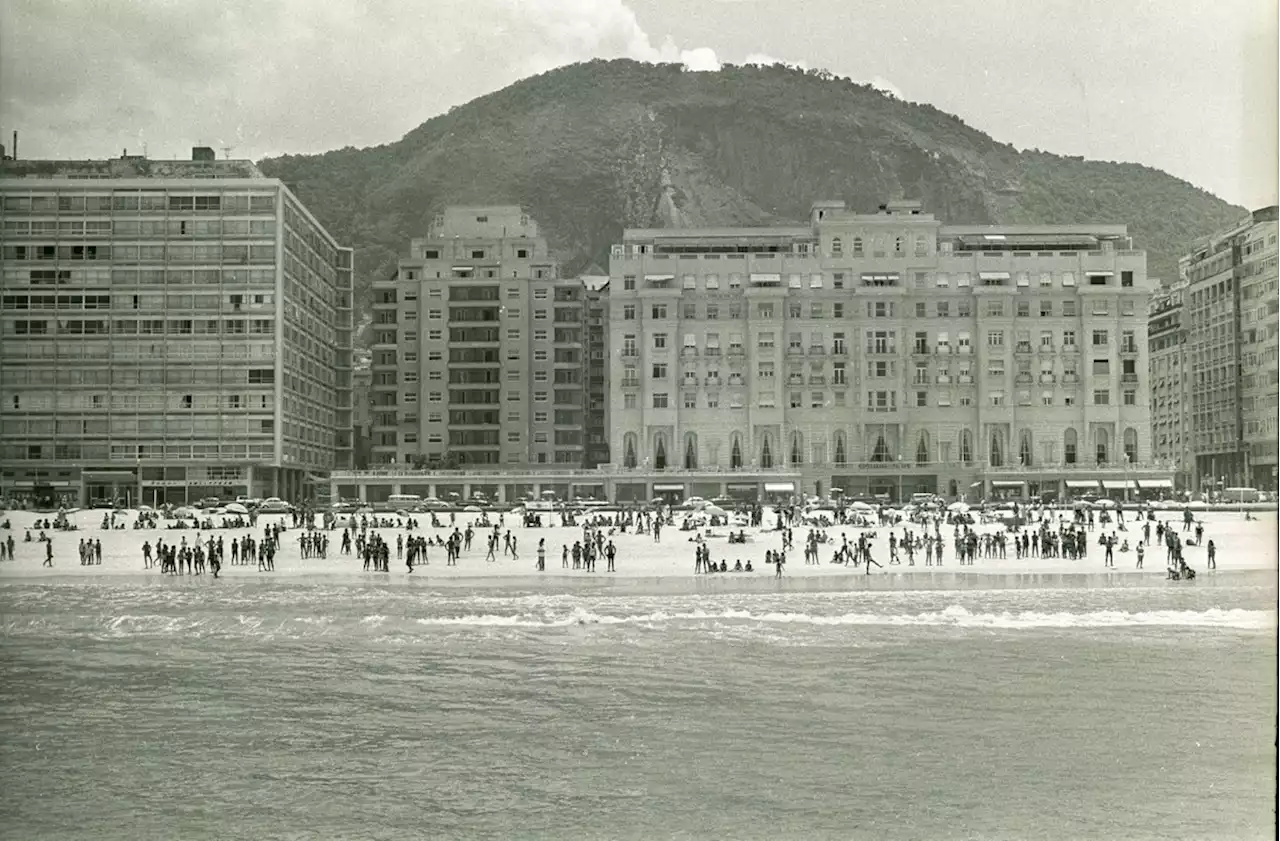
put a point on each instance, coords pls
(643, 563)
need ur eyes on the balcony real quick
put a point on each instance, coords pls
(633, 383)
(1023, 379)
(630, 353)
(943, 379)
(1022, 347)
(736, 351)
(795, 350)
(735, 380)
(965, 350)
(1128, 378)
(839, 350)
(795, 379)
(1070, 348)
(712, 381)
(817, 379)
(817, 350)
(1071, 378)
(943, 350)
(713, 351)
(920, 350)
(965, 379)
(689, 352)
(1047, 349)
(1129, 350)
(1047, 379)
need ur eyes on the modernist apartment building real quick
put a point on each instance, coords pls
(1167, 343)
(881, 353)
(1231, 323)
(596, 350)
(169, 330)
(479, 350)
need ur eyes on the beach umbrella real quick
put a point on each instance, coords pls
(473, 509)
(1104, 503)
(1197, 505)
(860, 506)
(715, 511)
(837, 491)
(548, 493)
(236, 508)
(958, 508)
(657, 500)
(184, 512)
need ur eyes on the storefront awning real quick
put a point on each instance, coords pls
(993, 275)
(779, 487)
(1008, 484)
(109, 474)
(1155, 483)
(1092, 273)
(1079, 484)
(741, 486)
(1118, 484)
(668, 488)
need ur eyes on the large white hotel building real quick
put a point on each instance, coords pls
(880, 353)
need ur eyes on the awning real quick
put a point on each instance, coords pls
(668, 488)
(741, 486)
(464, 268)
(993, 275)
(659, 277)
(765, 277)
(1118, 484)
(779, 487)
(108, 474)
(1155, 483)
(1008, 484)
(1099, 274)
(976, 485)
(1091, 484)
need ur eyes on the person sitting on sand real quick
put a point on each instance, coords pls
(1124, 546)
(737, 567)
(724, 565)
(748, 568)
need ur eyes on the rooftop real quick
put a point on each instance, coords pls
(130, 166)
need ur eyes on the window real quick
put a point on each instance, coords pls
(629, 282)
(659, 341)
(1102, 397)
(1127, 307)
(1101, 338)
(659, 371)
(1130, 397)
(628, 312)
(658, 311)
(660, 400)
(944, 309)
(995, 338)
(1046, 309)
(1069, 309)
(995, 309)
(713, 281)
(1068, 279)
(1068, 338)
(1101, 367)
(764, 310)
(1024, 309)
(837, 247)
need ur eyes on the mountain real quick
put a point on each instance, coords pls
(593, 148)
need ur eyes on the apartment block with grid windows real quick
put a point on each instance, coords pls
(170, 330)
(1167, 342)
(1232, 335)
(881, 353)
(479, 351)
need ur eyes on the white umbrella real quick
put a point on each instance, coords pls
(236, 508)
(473, 509)
(1197, 505)
(958, 508)
(715, 511)
(860, 506)
(1104, 503)
(184, 512)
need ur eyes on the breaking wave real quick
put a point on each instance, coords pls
(306, 627)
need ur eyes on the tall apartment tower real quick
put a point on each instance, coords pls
(170, 330)
(1230, 316)
(478, 349)
(1167, 343)
(884, 353)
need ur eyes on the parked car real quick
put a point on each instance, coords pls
(274, 505)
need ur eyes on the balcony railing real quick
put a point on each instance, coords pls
(1046, 379)
(1022, 347)
(965, 379)
(795, 350)
(943, 350)
(1128, 378)
(713, 381)
(839, 350)
(1023, 379)
(943, 379)
(920, 350)
(817, 379)
(817, 350)
(736, 351)
(1071, 378)
(688, 351)
(965, 350)
(795, 379)
(713, 351)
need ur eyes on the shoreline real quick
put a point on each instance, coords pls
(600, 584)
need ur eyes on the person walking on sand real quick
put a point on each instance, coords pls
(1212, 562)
(48, 553)
(1141, 552)
(779, 561)
(542, 555)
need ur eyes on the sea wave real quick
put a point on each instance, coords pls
(551, 618)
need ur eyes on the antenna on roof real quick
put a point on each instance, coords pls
(226, 152)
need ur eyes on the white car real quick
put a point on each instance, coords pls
(274, 505)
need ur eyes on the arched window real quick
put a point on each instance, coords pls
(766, 454)
(691, 452)
(837, 247)
(1131, 445)
(660, 453)
(997, 449)
(1102, 445)
(1024, 448)
(797, 449)
(857, 246)
(881, 451)
(966, 446)
(735, 453)
(922, 449)
(629, 450)
(1069, 446)
(840, 451)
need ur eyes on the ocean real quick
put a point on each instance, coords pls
(344, 708)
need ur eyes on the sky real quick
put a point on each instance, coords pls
(1187, 86)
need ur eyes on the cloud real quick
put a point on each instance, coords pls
(882, 84)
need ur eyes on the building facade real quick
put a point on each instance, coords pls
(479, 350)
(1166, 342)
(170, 330)
(883, 353)
(1230, 317)
(596, 290)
